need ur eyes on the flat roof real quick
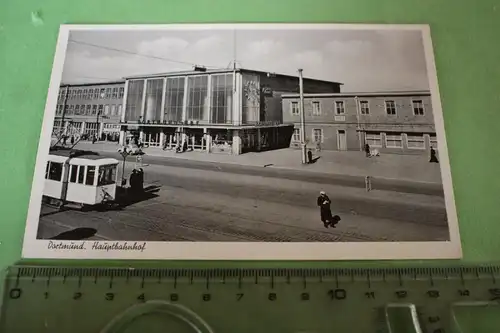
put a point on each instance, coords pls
(363, 94)
(220, 71)
(92, 83)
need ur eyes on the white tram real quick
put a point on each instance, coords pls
(80, 177)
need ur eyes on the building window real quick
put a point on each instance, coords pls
(339, 107)
(295, 108)
(373, 139)
(81, 174)
(316, 108)
(113, 110)
(79, 94)
(433, 141)
(197, 108)
(393, 140)
(77, 109)
(365, 107)
(90, 93)
(418, 107)
(107, 175)
(415, 141)
(390, 108)
(121, 92)
(102, 93)
(66, 109)
(222, 98)
(106, 109)
(82, 109)
(85, 94)
(88, 111)
(115, 93)
(71, 109)
(73, 93)
(108, 92)
(152, 104)
(96, 93)
(94, 110)
(134, 100)
(55, 171)
(99, 111)
(174, 98)
(296, 135)
(73, 174)
(119, 109)
(318, 135)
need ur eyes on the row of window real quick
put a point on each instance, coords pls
(81, 174)
(364, 107)
(374, 139)
(90, 93)
(90, 110)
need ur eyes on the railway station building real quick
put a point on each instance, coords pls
(219, 111)
(395, 122)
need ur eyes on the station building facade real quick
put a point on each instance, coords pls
(396, 122)
(226, 111)
(87, 110)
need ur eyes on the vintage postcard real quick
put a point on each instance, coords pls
(251, 141)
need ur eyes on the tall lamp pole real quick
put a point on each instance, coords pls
(302, 119)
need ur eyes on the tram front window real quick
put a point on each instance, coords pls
(107, 175)
(90, 175)
(55, 171)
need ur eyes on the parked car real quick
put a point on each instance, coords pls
(132, 149)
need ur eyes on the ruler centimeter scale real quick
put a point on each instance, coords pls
(355, 300)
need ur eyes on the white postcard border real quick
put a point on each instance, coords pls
(35, 248)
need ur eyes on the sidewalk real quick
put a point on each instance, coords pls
(353, 163)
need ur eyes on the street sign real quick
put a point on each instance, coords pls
(84, 299)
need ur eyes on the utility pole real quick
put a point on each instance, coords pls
(302, 119)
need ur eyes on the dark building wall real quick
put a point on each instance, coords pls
(273, 87)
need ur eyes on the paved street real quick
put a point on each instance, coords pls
(201, 201)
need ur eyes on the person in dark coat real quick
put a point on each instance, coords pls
(72, 140)
(367, 150)
(325, 211)
(140, 181)
(434, 158)
(309, 156)
(134, 181)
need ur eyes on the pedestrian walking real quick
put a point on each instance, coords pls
(433, 158)
(367, 150)
(309, 156)
(324, 203)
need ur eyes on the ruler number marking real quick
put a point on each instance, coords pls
(433, 293)
(174, 297)
(337, 294)
(110, 296)
(495, 294)
(15, 293)
(401, 294)
(141, 298)
(305, 297)
(207, 297)
(463, 292)
(370, 294)
(239, 296)
(272, 297)
(77, 295)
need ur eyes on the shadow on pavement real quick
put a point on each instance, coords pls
(76, 234)
(125, 197)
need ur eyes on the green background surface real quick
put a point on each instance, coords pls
(467, 51)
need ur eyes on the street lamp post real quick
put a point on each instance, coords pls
(124, 153)
(302, 120)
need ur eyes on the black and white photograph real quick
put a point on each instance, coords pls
(243, 142)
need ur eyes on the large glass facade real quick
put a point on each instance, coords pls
(174, 99)
(134, 100)
(197, 106)
(152, 104)
(222, 98)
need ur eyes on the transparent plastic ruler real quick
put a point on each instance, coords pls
(434, 300)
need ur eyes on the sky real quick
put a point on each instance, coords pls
(363, 60)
